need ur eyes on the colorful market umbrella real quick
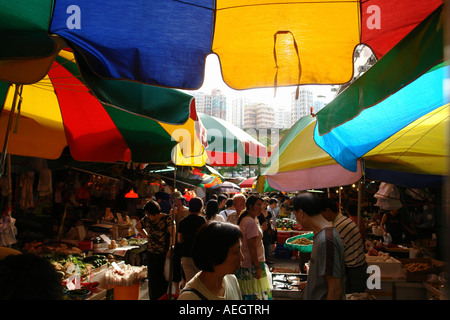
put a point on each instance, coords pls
(61, 111)
(407, 83)
(297, 163)
(415, 156)
(229, 145)
(403, 135)
(248, 183)
(259, 43)
(27, 48)
(210, 176)
(226, 187)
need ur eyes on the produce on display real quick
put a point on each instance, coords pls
(286, 224)
(302, 242)
(125, 275)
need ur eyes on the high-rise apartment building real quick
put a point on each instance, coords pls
(282, 118)
(218, 104)
(302, 106)
(214, 104)
(236, 114)
(259, 116)
(202, 102)
(265, 116)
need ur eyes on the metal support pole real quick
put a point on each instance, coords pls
(8, 129)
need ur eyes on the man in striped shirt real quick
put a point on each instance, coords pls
(355, 258)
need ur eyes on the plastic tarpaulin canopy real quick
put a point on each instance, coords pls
(61, 111)
(259, 43)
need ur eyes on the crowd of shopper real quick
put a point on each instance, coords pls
(221, 249)
(224, 247)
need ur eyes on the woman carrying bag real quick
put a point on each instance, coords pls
(157, 227)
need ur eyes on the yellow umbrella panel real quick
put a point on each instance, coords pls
(421, 147)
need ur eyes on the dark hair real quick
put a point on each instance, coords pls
(272, 201)
(221, 197)
(327, 203)
(195, 204)
(213, 242)
(152, 207)
(229, 203)
(162, 195)
(306, 202)
(250, 203)
(29, 277)
(353, 209)
(212, 208)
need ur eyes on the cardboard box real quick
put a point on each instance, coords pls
(389, 266)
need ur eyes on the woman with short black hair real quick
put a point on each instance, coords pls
(216, 252)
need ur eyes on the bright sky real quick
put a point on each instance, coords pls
(213, 80)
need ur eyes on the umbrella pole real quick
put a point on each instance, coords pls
(340, 201)
(8, 129)
(359, 202)
(172, 247)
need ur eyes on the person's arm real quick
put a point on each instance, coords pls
(140, 229)
(172, 238)
(264, 226)
(382, 223)
(180, 237)
(334, 288)
(252, 245)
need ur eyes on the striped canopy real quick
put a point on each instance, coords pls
(259, 43)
